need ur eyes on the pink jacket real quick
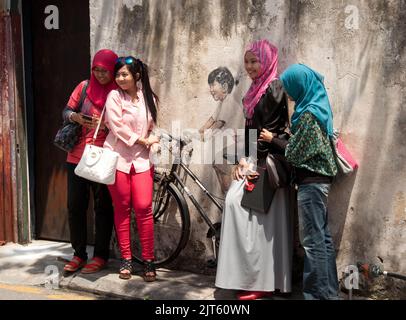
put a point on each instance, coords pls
(127, 121)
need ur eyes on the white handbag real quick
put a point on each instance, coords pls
(98, 164)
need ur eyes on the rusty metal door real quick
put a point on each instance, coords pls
(14, 213)
(60, 60)
(7, 137)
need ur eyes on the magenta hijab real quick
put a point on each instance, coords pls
(97, 92)
(267, 54)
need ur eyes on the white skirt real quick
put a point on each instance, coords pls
(255, 248)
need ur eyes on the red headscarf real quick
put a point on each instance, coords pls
(97, 92)
(267, 54)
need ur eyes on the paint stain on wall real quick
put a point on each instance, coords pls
(400, 207)
(132, 20)
(251, 14)
(195, 17)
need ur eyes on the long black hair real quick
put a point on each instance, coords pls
(137, 66)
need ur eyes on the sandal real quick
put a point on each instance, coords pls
(95, 265)
(253, 295)
(126, 268)
(149, 271)
(75, 264)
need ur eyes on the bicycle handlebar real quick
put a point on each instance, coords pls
(169, 137)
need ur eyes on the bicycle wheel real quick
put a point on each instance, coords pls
(171, 224)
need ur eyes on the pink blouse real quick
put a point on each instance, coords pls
(127, 121)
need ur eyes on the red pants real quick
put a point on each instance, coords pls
(134, 190)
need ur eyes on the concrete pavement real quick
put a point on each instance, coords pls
(22, 292)
(41, 264)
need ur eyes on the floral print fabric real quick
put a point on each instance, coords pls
(310, 148)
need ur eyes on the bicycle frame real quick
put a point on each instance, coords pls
(174, 177)
(190, 194)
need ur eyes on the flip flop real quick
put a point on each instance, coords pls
(95, 265)
(75, 264)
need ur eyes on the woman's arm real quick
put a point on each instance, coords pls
(71, 112)
(279, 142)
(74, 101)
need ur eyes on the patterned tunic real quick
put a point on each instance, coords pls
(309, 148)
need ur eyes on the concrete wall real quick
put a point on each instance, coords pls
(359, 46)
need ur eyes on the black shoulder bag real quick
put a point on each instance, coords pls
(274, 173)
(68, 135)
(258, 193)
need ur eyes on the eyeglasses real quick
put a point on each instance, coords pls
(100, 71)
(127, 60)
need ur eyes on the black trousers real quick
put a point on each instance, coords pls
(78, 202)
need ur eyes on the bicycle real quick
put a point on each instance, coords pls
(171, 211)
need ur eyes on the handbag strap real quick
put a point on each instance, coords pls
(98, 125)
(83, 95)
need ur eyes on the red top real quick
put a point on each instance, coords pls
(87, 134)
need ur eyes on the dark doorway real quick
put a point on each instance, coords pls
(57, 60)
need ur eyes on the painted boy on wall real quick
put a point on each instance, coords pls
(228, 115)
(221, 83)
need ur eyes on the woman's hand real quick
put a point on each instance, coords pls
(265, 135)
(240, 169)
(95, 122)
(236, 173)
(252, 176)
(148, 142)
(240, 173)
(151, 140)
(85, 121)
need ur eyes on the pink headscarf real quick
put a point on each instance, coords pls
(97, 92)
(267, 55)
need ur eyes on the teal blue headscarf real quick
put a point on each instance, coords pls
(305, 86)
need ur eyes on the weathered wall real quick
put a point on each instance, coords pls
(367, 87)
(183, 41)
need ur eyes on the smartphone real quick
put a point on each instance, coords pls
(86, 117)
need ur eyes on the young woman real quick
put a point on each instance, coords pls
(100, 84)
(310, 152)
(131, 112)
(256, 248)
